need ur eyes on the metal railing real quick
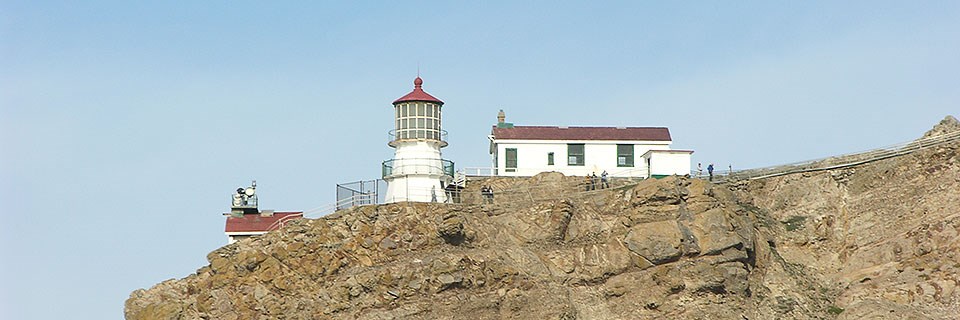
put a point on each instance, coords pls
(834, 162)
(417, 134)
(396, 167)
(283, 221)
(417, 194)
(630, 172)
(363, 192)
(478, 171)
(624, 172)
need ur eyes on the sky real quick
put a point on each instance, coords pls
(125, 126)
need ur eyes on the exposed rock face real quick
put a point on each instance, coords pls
(947, 125)
(879, 240)
(885, 236)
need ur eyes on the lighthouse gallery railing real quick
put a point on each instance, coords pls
(394, 167)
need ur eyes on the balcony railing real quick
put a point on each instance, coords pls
(243, 201)
(417, 134)
(395, 167)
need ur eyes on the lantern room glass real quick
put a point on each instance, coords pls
(418, 120)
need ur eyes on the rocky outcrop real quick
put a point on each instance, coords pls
(873, 241)
(670, 247)
(883, 236)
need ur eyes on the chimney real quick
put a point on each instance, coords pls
(501, 117)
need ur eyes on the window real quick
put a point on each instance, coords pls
(511, 160)
(416, 120)
(550, 158)
(624, 155)
(575, 155)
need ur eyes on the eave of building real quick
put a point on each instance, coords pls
(528, 141)
(666, 151)
(581, 133)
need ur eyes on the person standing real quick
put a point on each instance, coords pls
(710, 171)
(487, 193)
(449, 191)
(603, 180)
(699, 170)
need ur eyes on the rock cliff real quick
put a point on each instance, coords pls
(878, 240)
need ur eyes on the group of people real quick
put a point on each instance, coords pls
(593, 181)
(487, 194)
(709, 170)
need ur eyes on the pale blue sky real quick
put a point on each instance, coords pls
(125, 126)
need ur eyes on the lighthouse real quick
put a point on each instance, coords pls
(417, 171)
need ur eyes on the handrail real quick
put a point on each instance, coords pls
(280, 222)
(320, 211)
(429, 134)
(417, 166)
(477, 171)
(840, 161)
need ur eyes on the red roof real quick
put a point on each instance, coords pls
(418, 94)
(582, 133)
(257, 223)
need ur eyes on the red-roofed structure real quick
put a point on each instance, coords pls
(418, 94)
(633, 152)
(582, 133)
(247, 225)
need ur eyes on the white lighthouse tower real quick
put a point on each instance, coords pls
(417, 172)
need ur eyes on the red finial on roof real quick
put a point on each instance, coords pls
(418, 94)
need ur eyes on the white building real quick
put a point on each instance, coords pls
(417, 171)
(577, 151)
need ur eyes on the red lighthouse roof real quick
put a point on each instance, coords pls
(418, 94)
